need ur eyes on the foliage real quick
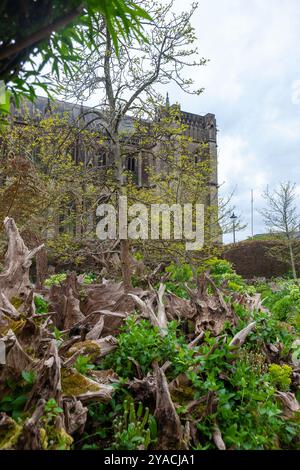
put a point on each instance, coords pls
(83, 365)
(43, 188)
(217, 267)
(135, 429)
(223, 274)
(52, 437)
(89, 278)
(14, 401)
(58, 335)
(282, 308)
(55, 279)
(49, 30)
(41, 305)
(52, 409)
(141, 342)
(281, 376)
(245, 409)
(282, 300)
(179, 275)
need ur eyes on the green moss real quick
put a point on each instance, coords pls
(87, 348)
(74, 383)
(16, 302)
(10, 324)
(182, 395)
(9, 434)
(62, 440)
(199, 411)
(44, 438)
(55, 439)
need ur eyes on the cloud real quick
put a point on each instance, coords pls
(252, 84)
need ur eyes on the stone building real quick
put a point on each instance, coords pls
(201, 129)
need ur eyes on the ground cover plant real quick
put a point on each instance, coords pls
(202, 360)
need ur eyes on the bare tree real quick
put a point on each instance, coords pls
(128, 83)
(223, 209)
(281, 216)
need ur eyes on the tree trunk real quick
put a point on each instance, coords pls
(124, 243)
(292, 259)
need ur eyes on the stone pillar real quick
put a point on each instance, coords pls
(139, 175)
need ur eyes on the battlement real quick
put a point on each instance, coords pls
(201, 128)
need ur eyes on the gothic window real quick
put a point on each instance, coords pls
(101, 158)
(131, 164)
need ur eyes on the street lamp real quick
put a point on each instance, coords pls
(233, 218)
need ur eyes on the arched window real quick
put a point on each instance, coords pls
(131, 164)
(101, 158)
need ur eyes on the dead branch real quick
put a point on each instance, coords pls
(168, 422)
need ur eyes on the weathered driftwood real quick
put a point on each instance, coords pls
(96, 331)
(239, 339)
(95, 349)
(75, 415)
(84, 388)
(8, 308)
(217, 438)
(65, 302)
(158, 319)
(211, 310)
(170, 431)
(16, 358)
(110, 300)
(161, 311)
(14, 279)
(31, 436)
(48, 383)
(144, 389)
(290, 403)
(89, 318)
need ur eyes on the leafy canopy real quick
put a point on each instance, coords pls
(48, 29)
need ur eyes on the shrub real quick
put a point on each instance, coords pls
(282, 308)
(55, 279)
(217, 267)
(141, 342)
(281, 376)
(180, 273)
(244, 405)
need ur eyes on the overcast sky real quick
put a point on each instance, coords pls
(252, 84)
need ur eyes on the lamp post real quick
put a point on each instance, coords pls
(233, 218)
